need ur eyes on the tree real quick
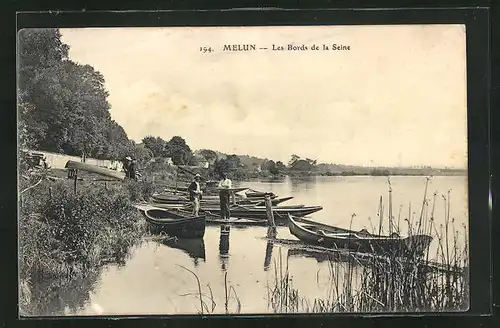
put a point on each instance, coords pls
(294, 159)
(311, 161)
(63, 105)
(119, 146)
(280, 166)
(141, 153)
(179, 151)
(210, 155)
(155, 145)
(233, 161)
(302, 165)
(273, 169)
(221, 166)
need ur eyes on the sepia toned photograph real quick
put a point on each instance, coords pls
(242, 170)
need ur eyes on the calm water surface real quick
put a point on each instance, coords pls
(153, 281)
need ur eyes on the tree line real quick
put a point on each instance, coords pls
(63, 107)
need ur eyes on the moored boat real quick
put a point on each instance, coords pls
(73, 165)
(175, 223)
(280, 213)
(212, 200)
(314, 233)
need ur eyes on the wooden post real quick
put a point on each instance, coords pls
(75, 180)
(271, 230)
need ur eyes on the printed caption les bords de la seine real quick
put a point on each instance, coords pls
(277, 47)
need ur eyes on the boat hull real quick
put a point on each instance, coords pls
(212, 200)
(95, 169)
(280, 214)
(363, 242)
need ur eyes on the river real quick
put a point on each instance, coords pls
(155, 280)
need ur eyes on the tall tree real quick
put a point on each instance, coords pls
(280, 166)
(155, 144)
(209, 155)
(294, 159)
(63, 105)
(179, 151)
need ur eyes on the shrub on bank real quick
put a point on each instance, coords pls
(62, 234)
(139, 190)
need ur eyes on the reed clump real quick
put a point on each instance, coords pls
(434, 280)
(207, 303)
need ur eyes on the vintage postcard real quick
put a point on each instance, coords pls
(242, 170)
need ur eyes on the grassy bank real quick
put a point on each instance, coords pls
(65, 237)
(390, 284)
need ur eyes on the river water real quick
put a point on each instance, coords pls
(155, 279)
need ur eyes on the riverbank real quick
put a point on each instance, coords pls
(66, 236)
(222, 261)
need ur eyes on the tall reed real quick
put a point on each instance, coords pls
(417, 282)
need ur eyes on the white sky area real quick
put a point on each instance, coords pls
(397, 98)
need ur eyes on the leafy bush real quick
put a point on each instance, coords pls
(65, 233)
(139, 190)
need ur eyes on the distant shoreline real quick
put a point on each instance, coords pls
(303, 175)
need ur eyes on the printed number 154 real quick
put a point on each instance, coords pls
(206, 49)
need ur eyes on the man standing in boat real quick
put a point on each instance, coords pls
(195, 194)
(224, 194)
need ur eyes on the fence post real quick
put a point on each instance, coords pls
(271, 230)
(75, 180)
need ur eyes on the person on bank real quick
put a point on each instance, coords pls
(129, 168)
(224, 194)
(195, 194)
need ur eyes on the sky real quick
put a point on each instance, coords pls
(396, 98)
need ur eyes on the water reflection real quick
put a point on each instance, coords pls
(224, 246)
(194, 247)
(57, 297)
(323, 256)
(269, 254)
(302, 183)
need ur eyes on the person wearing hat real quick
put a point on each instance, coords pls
(195, 192)
(129, 168)
(224, 195)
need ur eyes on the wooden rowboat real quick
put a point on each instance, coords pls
(95, 169)
(314, 233)
(205, 189)
(212, 200)
(175, 223)
(280, 213)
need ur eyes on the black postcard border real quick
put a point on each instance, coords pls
(478, 83)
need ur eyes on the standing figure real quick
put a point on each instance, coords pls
(195, 194)
(129, 168)
(224, 196)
